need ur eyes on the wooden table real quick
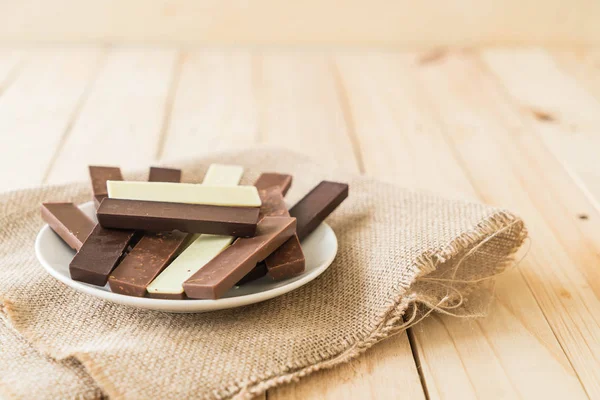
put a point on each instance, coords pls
(518, 128)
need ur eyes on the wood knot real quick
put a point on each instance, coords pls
(543, 116)
(432, 56)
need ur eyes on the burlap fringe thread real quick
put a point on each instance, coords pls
(396, 314)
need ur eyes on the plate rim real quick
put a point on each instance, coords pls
(187, 305)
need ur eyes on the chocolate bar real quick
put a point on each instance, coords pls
(257, 272)
(190, 193)
(147, 259)
(220, 174)
(268, 180)
(288, 260)
(273, 205)
(222, 272)
(310, 212)
(99, 176)
(99, 255)
(169, 284)
(151, 254)
(68, 222)
(160, 174)
(193, 218)
(317, 205)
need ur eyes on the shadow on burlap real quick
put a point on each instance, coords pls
(401, 253)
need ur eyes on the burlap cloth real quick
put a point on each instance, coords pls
(400, 253)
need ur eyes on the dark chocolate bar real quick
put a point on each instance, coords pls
(147, 259)
(68, 222)
(268, 180)
(222, 272)
(99, 255)
(99, 176)
(288, 260)
(292, 261)
(157, 216)
(159, 174)
(317, 205)
(257, 272)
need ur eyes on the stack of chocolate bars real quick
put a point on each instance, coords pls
(172, 240)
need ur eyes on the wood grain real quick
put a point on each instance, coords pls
(307, 113)
(215, 108)
(37, 107)
(465, 359)
(521, 174)
(565, 114)
(121, 120)
(514, 127)
(581, 64)
(10, 63)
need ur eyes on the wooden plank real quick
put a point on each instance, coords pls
(121, 120)
(211, 107)
(214, 107)
(301, 109)
(383, 372)
(35, 110)
(304, 108)
(459, 358)
(10, 64)
(583, 65)
(564, 112)
(377, 22)
(510, 166)
(398, 136)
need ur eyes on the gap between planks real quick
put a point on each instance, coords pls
(315, 98)
(344, 102)
(75, 114)
(386, 98)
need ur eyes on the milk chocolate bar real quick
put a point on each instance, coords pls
(268, 180)
(147, 259)
(151, 254)
(160, 174)
(68, 222)
(273, 204)
(99, 176)
(202, 249)
(288, 260)
(293, 263)
(222, 272)
(99, 255)
(317, 205)
(156, 216)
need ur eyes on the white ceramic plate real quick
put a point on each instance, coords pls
(319, 248)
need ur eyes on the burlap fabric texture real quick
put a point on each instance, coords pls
(400, 253)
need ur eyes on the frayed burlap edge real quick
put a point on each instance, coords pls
(392, 321)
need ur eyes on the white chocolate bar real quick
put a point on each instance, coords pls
(197, 255)
(220, 174)
(221, 195)
(203, 248)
